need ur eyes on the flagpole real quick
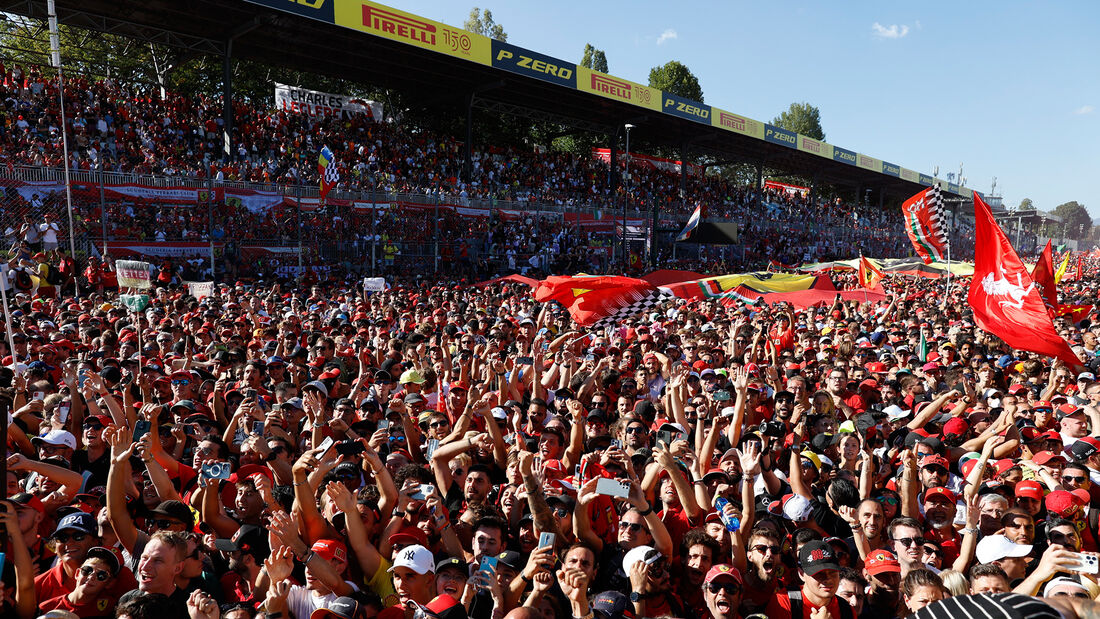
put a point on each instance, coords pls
(4, 280)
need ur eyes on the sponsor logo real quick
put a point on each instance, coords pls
(779, 135)
(1015, 293)
(611, 86)
(867, 162)
(811, 145)
(890, 168)
(535, 65)
(843, 155)
(732, 121)
(683, 107)
(398, 25)
(311, 4)
(925, 179)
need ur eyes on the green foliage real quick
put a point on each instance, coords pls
(1075, 218)
(801, 118)
(594, 58)
(676, 78)
(482, 22)
(1025, 205)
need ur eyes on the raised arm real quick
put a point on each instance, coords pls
(25, 603)
(122, 448)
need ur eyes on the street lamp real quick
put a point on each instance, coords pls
(626, 178)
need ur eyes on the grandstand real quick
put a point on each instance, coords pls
(152, 175)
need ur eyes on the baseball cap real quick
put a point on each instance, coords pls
(107, 556)
(1045, 456)
(817, 556)
(1084, 448)
(411, 376)
(648, 554)
(330, 549)
(248, 538)
(176, 509)
(939, 492)
(1063, 581)
(26, 499)
(723, 570)
(512, 559)
(342, 607)
(1062, 503)
(933, 460)
(796, 507)
(613, 604)
(1066, 410)
(452, 562)
(444, 606)
(882, 561)
(411, 535)
(57, 437)
(1029, 489)
(416, 558)
(996, 547)
(78, 521)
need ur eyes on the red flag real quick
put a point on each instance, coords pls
(924, 224)
(1076, 313)
(592, 299)
(1043, 276)
(1005, 300)
(1080, 268)
(869, 276)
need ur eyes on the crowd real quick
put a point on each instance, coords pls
(119, 127)
(443, 451)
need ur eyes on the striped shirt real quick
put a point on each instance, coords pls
(989, 606)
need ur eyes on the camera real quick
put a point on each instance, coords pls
(216, 470)
(773, 428)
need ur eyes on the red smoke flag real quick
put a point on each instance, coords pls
(924, 223)
(869, 276)
(599, 300)
(1043, 276)
(1005, 300)
(1080, 268)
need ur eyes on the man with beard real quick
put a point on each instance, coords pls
(939, 521)
(246, 550)
(697, 554)
(764, 566)
(870, 523)
(820, 574)
(722, 590)
(883, 572)
(784, 406)
(74, 536)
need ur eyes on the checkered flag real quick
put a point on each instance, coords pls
(634, 302)
(939, 222)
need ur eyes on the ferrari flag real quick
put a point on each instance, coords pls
(869, 276)
(925, 225)
(1004, 298)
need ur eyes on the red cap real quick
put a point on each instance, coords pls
(955, 426)
(1045, 456)
(330, 549)
(933, 460)
(1017, 389)
(939, 491)
(723, 570)
(882, 561)
(1003, 465)
(1030, 489)
(1064, 504)
(968, 466)
(409, 535)
(249, 471)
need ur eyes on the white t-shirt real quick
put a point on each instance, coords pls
(303, 602)
(49, 231)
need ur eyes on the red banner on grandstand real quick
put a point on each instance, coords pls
(161, 250)
(787, 189)
(645, 161)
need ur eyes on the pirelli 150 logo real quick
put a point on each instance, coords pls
(417, 31)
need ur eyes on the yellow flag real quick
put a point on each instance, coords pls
(1061, 269)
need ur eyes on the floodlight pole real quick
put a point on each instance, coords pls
(626, 197)
(55, 60)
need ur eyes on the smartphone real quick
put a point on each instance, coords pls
(349, 448)
(721, 396)
(81, 376)
(433, 444)
(383, 424)
(189, 429)
(1085, 563)
(63, 412)
(141, 428)
(524, 360)
(616, 443)
(325, 446)
(249, 394)
(258, 428)
(422, 494)
(39, 395)
(216, 470)
(488, 566)
(546, 540)
(612, 487)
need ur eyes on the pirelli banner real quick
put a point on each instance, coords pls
(397, 25)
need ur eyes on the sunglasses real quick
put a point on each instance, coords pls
(562, 512)
(181, 381)
(64, 538)
(1074, 478)
(729, 587)
(457, 472)
(764, 548)
(100, 575)
(633, 526)
(161, 523)
(93, 426)
(439, 424)
(932, 550)
(635, 430)
(910, 541)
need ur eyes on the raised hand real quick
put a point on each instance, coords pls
(202, 606)
(280, 564)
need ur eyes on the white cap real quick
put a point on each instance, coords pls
(1063, 581)
(57, 437)
(499, 413)
(797, 508)
(895, 412)
(416, 557)
(638, 553)
(996, 547)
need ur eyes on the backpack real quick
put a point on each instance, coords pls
(796, 606)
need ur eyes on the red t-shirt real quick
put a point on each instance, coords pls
(104, 606)
(55, 583)
(780, 607)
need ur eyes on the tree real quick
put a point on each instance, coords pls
(1025, 205)
(594, 59)
(801, 118)
(1075, 218)
(676, 78)
(482, 23)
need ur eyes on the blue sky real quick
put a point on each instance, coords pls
(1008, 89)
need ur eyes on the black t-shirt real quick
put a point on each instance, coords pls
(168, 606)
(833, 524)
(97, 468)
